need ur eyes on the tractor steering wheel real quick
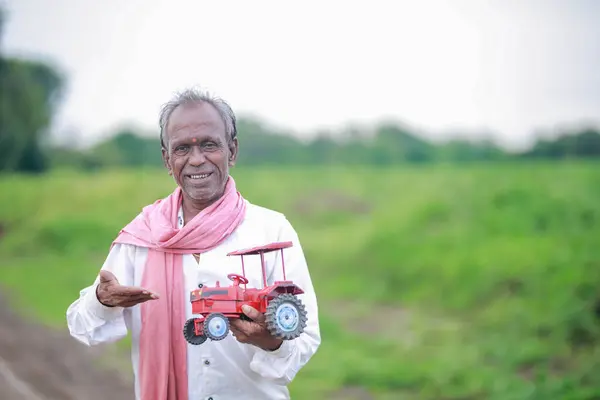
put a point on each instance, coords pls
(242, 279)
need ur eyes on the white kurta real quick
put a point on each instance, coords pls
(217, 370)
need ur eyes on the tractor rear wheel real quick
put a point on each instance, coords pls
(286, 317)
(216, 326)
(189, 332)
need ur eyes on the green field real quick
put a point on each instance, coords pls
(435, 282)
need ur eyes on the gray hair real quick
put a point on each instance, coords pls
(194, 96)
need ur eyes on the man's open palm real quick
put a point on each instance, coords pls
(112, 294)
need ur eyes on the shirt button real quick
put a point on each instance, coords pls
(210, 398)
(207, 363)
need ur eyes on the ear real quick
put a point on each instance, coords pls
(233, 152)
(165, 157)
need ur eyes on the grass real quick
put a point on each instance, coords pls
(436, 282)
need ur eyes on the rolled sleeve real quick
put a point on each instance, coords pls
(283, 352)
(90, 321)
(280, 365)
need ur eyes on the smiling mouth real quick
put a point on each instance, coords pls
(199, 176)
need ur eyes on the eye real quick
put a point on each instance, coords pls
(210, 146)
(181, 149)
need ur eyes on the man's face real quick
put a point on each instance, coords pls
(198, 154)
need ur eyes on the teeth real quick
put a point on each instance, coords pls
(199, 176)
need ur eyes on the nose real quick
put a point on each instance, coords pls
(196, 156)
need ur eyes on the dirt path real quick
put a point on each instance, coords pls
(13, 387)
(37, 363)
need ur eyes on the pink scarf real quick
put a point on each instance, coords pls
(162, 369)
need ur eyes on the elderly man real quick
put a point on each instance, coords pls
(182, 241)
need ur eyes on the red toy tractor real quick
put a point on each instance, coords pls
(285, 314)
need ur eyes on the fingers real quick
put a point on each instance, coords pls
(127, 300)
(247, 331)
(241, 326)
(244, 328)
(135, 291)
(133, 302)
(107, 278)
(253, 333)
(253, 313)
(238, 332)
(123, 296)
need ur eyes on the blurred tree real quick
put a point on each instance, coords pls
(583, 143)
(29, 92)
(321, 150)
(261, 145)
(130, 149)
(458, 150)
(393, 145)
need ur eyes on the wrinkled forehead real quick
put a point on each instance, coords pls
(195, 120)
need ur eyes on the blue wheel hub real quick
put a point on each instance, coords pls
(217, 326)
(287, 317)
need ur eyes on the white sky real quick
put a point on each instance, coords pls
(440, 66)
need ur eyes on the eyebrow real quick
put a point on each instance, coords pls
(197, 139)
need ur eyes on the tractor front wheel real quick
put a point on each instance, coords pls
(189, 332)
(286, 317)
(216, 326)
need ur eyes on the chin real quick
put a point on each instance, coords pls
(202, 195)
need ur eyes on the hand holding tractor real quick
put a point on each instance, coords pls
(285, 315)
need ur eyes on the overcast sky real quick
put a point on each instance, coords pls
(509, 66)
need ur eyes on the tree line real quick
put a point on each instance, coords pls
(389, 145)
(31, 92)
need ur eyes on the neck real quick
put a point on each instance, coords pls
(192, 208)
